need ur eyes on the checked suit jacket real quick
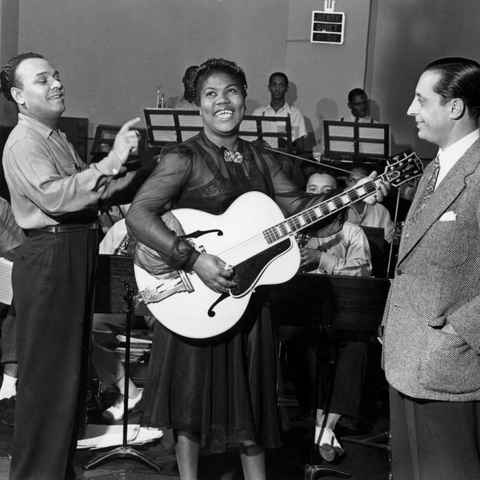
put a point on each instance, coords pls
(437, 279)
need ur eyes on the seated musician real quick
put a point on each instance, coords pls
(187, 100)
(278, 107)
(365, 215)
(358, 105)
(344, 253)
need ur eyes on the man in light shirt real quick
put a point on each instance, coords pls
(278, 107)
(187, 100)
(55, 199)
(365, 215)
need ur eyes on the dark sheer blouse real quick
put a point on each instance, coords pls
(195, 175)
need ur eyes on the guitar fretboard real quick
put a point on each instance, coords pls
(317, 212)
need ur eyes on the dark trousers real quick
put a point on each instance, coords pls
(9, 336)
(53, 282)
(434, 440)
(345, 382)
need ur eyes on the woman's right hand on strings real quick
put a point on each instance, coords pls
(214, 273)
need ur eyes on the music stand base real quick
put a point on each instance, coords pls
(373, 441)
(123, 452)
(311, 472)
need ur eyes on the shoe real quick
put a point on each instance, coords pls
(116, 411)
(328, 445)
(7, 411)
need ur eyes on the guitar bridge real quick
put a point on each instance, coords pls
(172, 283)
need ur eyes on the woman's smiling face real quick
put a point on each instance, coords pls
(222, 105)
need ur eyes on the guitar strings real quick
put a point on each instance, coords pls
(243, 251)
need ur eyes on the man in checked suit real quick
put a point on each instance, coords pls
(432, 320)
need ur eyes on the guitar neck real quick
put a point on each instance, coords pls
(321, 210)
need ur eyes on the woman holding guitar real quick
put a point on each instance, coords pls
(216, 391)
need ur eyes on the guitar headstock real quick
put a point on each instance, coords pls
(403, 170)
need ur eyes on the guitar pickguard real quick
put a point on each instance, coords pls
(248, 272)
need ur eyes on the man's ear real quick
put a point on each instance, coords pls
(17, 95)
(457, 108)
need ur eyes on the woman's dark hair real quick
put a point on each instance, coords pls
(459, 78)
(215, 65)
(8, 76)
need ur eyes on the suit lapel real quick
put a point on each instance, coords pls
(445, 194)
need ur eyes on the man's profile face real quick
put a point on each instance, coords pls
(320, 183)
(278, 87)
(40, 94)
(431, 114)
(358, 106)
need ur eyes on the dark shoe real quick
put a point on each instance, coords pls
(328, 446)
(7, 411)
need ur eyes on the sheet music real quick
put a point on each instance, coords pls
(164, 136)
(191, 121)
(162, 120)
(371, 148)
(338, 146)
(6, 293)
(341, 131)
(371, 133)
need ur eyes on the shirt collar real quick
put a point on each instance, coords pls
(35, 125)
(285, 107)
(453, 153)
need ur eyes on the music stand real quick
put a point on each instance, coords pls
(165, 125)
(107, 267)
(347, 302)
(348, 141)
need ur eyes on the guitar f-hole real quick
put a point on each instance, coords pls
(222, 297)
(200, 233)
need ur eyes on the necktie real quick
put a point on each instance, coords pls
(430, 188)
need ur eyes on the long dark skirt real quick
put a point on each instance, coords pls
(222, 389)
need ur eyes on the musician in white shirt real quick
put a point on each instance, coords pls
(345, 253)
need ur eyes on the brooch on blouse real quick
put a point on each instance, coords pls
(235, 157)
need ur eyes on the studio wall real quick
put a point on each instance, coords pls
(112, 54)
(406, 35)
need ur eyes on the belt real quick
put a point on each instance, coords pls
(80, 227)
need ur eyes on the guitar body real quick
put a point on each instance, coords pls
(234, 237)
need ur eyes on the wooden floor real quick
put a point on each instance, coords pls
(295, 460)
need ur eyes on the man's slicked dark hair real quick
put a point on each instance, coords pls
(8, 76)
(459, 78)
